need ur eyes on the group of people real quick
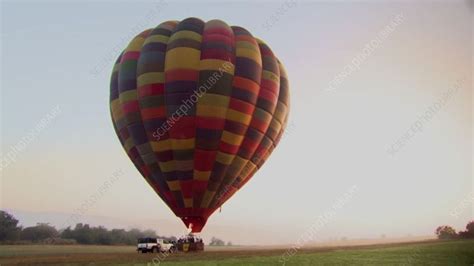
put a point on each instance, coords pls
(190, 238)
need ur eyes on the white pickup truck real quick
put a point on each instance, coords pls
(150, 244)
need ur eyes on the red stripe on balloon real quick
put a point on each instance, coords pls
(151, 89)
(250, 145)
(259, 124)
(200, 186)
(203, 160)
(132, 55)
(219, 31)
(241, 106)
(227, 40)
(228, 148)
(246, 38)
(130, 107)
(246, 84)
(270, 85)
(150, 113)
(186, 188)
(181, 75)
(182, 127)
(216, 54)
(209, 122)
(268, 95)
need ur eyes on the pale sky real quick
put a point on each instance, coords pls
(406, 88)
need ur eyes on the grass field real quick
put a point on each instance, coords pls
(426, 253)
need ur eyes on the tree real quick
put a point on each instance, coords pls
(100, 235)
(216, 242)
(149, 233)
(83, 234)
(446, 232)
(464, 234)
(229, 243)
(470, 227)
(119, 236)
(67, 233)
(39, 232)
(469, 233)
(9, 229)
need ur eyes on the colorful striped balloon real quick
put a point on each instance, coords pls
(198, 107)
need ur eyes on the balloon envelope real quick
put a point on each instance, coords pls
(198, 107)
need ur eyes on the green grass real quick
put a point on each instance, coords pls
(439, 253)
(459, 252)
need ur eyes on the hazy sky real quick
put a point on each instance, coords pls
(389, 114)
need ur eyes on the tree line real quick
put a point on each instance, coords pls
(218, 242)
(12, 233)
(447, 232)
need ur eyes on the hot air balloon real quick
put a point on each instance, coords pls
(198, 107)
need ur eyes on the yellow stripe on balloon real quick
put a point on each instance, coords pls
(237, 165)
(231, 138)
(206, 199)
(238, 117)
(211, 99)
(262, 115)
(275, 125)
(185, 34)
(188, 202)
(129, 144)
(116, 109)
(202, 175)
(250, 54)
(182, 57)
(162, 145)
(183, 144)
(174, 185)
(169, 25)
(249, 167)
(216, 64)
(259, 41)
(157, 38)
(270, 76)
(247, 45)
(135, 45)
(280, 111)
(115, 104)
(224, 158)
(127, 96)
(167, 167)
(211, 111)
(150, 78)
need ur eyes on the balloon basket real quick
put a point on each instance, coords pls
(190, 243)
(190, 247)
